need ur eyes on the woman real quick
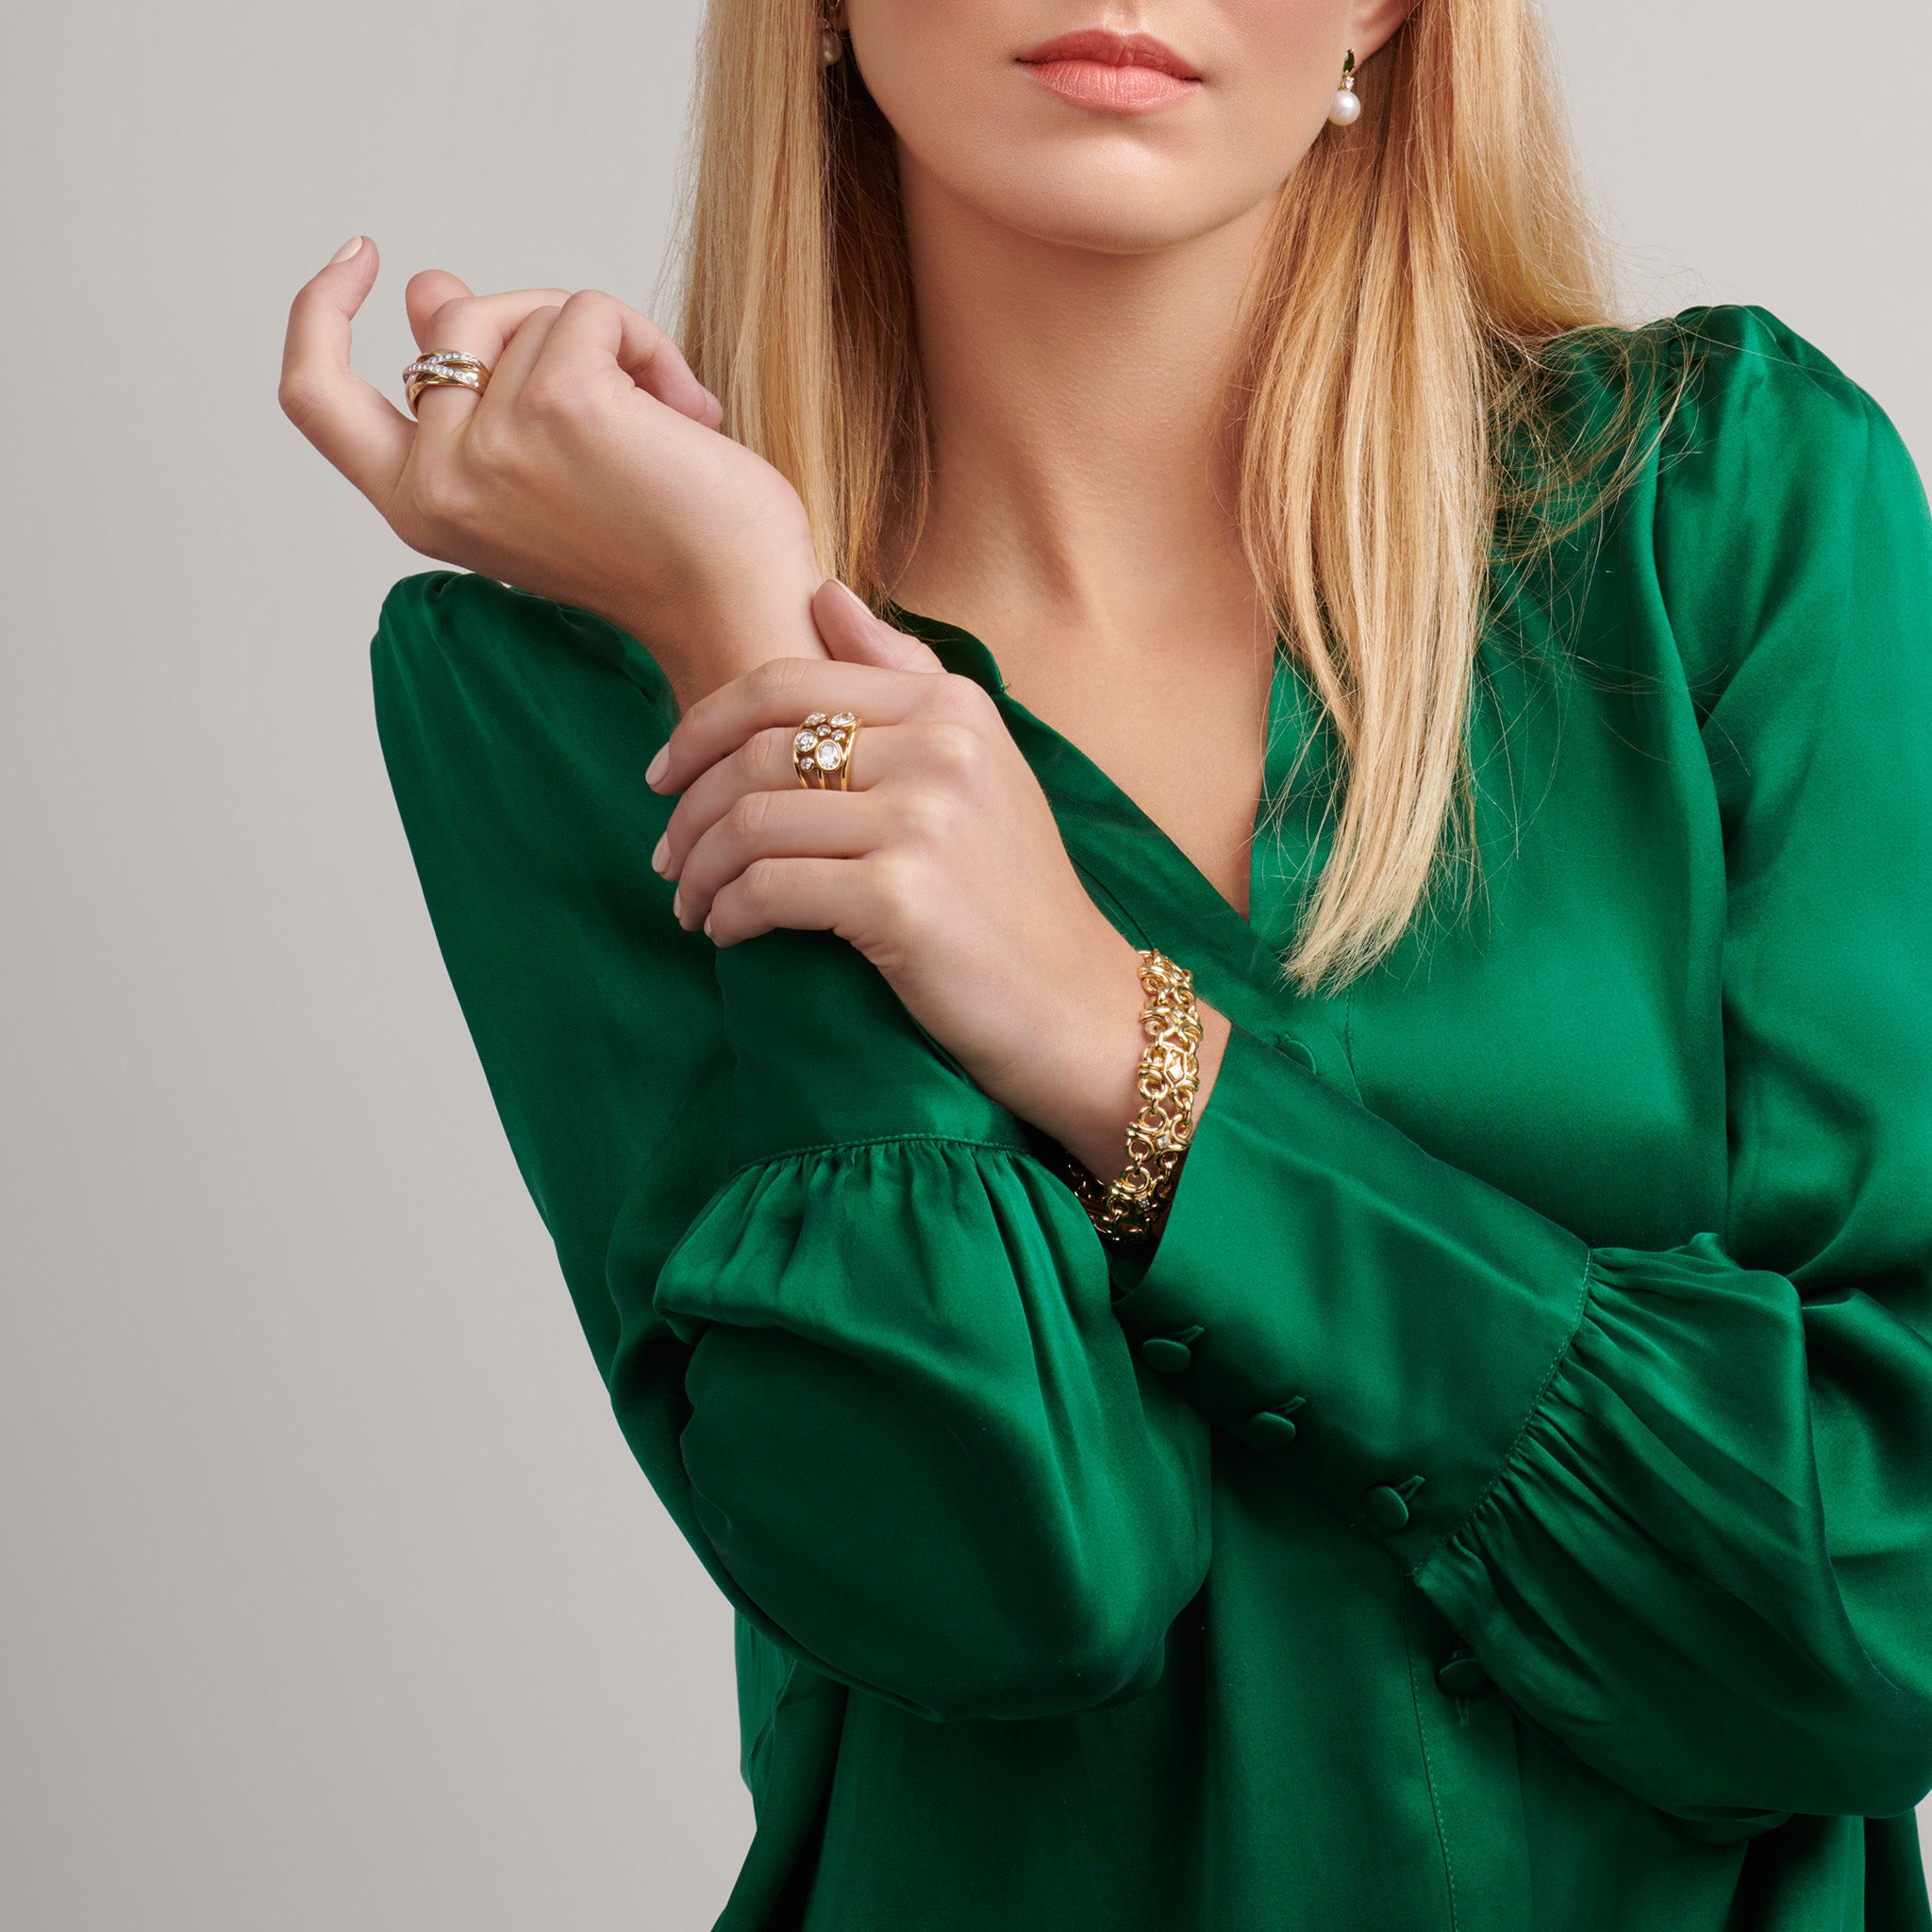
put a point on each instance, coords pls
(1477, 1472)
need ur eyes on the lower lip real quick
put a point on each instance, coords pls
(1126, 90)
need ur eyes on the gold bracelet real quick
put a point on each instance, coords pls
(1133, 1208)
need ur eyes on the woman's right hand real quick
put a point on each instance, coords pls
(591, 470)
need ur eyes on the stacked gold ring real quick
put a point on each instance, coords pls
(444, 369)
(822, 749)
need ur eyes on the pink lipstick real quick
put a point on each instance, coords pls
(1117, 73)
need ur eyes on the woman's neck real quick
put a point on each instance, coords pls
(1083, 487)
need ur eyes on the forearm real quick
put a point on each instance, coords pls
(720, 626)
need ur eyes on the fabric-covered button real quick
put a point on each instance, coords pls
(1386, 1507)
(1277, 1426)
(1170, 1354)
(1462, 1677)
(1295, 1050)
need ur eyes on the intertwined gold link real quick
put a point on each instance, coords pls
(1133, 1207)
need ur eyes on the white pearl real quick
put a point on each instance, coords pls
(831, 46)
(1346, 109)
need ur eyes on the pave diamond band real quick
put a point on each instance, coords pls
(822, 750)
(444, 368)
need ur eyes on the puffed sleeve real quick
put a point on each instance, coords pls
(1678, 1504)
(858, 1339)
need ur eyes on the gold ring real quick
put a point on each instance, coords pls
(444, 368)
(822, 747)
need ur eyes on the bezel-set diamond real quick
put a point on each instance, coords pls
(822, 745)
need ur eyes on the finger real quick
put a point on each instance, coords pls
(424, 293)
(520, 356)
(763, 763)
(775, 825)
(782, 692)
(805, 894)
(596, 328)
(363, 434)
(854, 635)
(479, 325)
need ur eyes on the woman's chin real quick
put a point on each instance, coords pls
(1108, 210)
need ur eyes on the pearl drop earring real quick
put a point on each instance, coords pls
(1345, 109)
(831, 46)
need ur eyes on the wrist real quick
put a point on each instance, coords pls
(703, 635)
(1089, 1086)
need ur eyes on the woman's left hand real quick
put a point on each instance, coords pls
(943, 866)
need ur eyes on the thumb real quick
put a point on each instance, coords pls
(428, 289)
(852, 635)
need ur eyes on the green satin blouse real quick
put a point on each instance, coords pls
(1504, 1500)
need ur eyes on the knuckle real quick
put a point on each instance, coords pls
(758, 885)
(925, 816)
(778, 678)
(450, 316)
(768, 755)
(961, 698)
(544, 398)
(301, 399)
(443, 497)
(749, 814)
(954, 749)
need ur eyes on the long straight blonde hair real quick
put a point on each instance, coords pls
(1420, 265)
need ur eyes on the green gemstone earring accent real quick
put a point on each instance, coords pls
(1346, 108)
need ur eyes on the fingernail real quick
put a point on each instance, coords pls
(677, 905)
(708, 926)
(850, 596)
(715, 402)
(655, 770)
(659, 852)
(347, 249)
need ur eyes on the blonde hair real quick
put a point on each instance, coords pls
(1419, 268)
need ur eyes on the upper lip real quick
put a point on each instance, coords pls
(1113, 50)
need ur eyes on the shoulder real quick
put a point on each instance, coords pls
(1772, 498)
(487, 651)
(1751, 385)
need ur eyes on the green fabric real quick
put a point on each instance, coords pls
(1523, 1516)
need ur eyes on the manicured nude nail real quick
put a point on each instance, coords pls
(347, 249)
(659, 852)
(708, 927)
(677, 905)
(655, 770)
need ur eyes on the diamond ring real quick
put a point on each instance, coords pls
(444, 369)
(822, 746)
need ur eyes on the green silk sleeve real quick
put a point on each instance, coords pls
(860, 1340)
(1678, 1504)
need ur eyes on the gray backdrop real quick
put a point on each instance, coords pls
(331, 1597)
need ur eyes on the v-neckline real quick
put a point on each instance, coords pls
(1170, 903)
